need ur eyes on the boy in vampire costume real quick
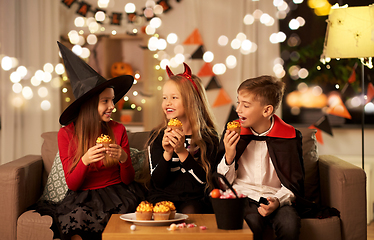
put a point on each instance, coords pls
(264, 161)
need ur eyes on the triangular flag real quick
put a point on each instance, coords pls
(352, 78)
(213, 84)
(318, 134)
(339, 110)
(194, 38)
(370, 93)
(337, 107)
(198, 54)
(324, 124)
(222, 99)
(233, 115)
(206, 71)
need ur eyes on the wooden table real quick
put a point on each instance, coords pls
(120, 229)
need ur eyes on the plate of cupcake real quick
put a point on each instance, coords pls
(162, 213)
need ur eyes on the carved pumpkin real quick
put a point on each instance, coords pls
(121, 68)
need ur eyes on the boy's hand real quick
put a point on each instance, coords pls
(266, 210)
(230, 140)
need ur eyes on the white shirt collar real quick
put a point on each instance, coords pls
(266, 132)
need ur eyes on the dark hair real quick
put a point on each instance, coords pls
(266, 89)
(88, 126)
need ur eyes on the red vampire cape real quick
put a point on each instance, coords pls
(284, 144)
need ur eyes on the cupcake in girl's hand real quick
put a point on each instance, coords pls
(171, 207)
(174, 123)
(161, 212)
(106, 140)
(144, 211)
(234, 126)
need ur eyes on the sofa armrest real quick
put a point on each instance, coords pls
(343, 186)
(20, 187)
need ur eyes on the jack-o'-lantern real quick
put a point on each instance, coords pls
(121, 68)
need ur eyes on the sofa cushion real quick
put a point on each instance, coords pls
(56, 187)
(137, 158)
(310, 155)
(49, 150)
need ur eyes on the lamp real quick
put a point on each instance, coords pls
(350, 34)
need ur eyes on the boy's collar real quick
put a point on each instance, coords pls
(279, 129)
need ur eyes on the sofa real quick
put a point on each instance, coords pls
(329, 180)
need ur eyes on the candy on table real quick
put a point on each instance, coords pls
(133, 227)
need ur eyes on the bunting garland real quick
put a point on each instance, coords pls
(85, 8)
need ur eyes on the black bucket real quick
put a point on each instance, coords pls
(229, 212)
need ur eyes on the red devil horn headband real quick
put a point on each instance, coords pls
(187, 74)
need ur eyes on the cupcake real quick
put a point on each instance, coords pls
(161, 212)
(171, 207)
(106, 140)
(234, 126)
(174, 123)
(144, 211)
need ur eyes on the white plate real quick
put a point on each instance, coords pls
(131, 217)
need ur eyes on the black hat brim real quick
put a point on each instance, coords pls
(121, 86)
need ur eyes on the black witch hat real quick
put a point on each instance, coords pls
(86, 83)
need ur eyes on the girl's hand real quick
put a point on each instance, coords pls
(168, 153)
(177, 140)
(266, 210)
(230, 140)
(115, 151)
(94, 154)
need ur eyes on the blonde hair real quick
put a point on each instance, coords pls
(200, 117)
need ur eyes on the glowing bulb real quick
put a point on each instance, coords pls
(48, 67)
(208, 56)
(43, 92)
(248, 19)
(92, 39)
(219, 68)
(130, 8)
(15, 77)
(100, 16)
(172, 38)
(155, 22)
(59, 69)
(27, 93)
(79, 22)
(45, 105)
(231, 61)
(17, 88)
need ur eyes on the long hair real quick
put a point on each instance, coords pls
(88, 126)
(199, 116)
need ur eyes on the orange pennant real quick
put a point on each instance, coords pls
(206, 71)
(352, 78)
(370, 93)
(222, 98)
(339, 110)
(194, 38)
(318, 134)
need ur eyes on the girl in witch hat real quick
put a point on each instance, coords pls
(181, 159)
(96, 189)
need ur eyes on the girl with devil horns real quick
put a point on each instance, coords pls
(181, 159)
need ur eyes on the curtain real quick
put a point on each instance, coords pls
(29, 30)
(214, 18)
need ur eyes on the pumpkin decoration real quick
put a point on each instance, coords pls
(121, 68)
